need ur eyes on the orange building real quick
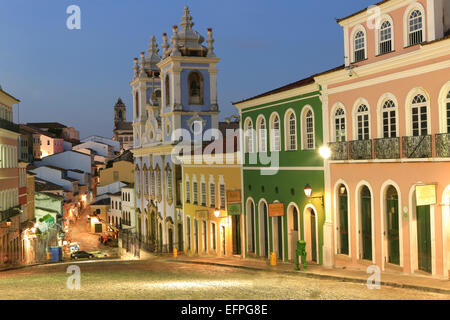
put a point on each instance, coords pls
(9, 182)
(388, 124)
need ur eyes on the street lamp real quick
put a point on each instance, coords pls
(325, 152)
(308, 193)
(217, 213)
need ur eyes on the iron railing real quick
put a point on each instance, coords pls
(8, 125)
(360, 149)
(442, 145)
(339, 151)
(417, 147)
(9, 213)
(387, 148)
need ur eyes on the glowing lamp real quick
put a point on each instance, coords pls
(308, 191)
(325, 152)
(8, 223)
(217, 213)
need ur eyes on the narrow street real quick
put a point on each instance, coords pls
(80, 232)
(160, 279)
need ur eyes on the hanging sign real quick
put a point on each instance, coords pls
(276, 210)
(234, 209)
(234, 196)
(426, 195)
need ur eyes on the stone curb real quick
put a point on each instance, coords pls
(323, 276)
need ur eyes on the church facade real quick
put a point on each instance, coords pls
(174, 95)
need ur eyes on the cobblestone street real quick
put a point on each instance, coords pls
(163, 280)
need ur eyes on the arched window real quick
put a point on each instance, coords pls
(339, 125)
(419, 116)
(262, 134)
(167, 90)
(169, 184)
(385, 37)
(188, 191)
(275, 139)
(145, 181)
(415, 27)
(308, 130)
(152, 182)
(360, 46)
(362, 123)
(392, 225)
(158, 183)
(343, 220)
(137, 104)
(448, 112)
(291, 131)
(389, 115)
(138, 181)
(195, 81)
(249, 137)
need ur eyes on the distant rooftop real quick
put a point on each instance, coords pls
(47, 125)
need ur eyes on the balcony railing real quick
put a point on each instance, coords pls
(360, 149)
(339, 151)
(417, 147)
(443, 145)
(8, 125)
(9, 213)
(387, 148)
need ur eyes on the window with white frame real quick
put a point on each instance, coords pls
(339, 125)
(222, 196)
(212, 195)
(195, 191)
(275, 138)
(291, 131)
(262, 135)
(389, 115)
(249, 138)
(415, 26)
(169, 184)
(448, 112)
(188, 191)
(419, 116)
(360, 46)
(362, 122)
(146, 185)
(308, 130)
(158, 183)
(385, 37)
(152, 182)
(203, 193)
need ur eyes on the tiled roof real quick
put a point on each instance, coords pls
(47, 125)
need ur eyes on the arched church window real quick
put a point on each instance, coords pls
(137, 104)
(195, 88)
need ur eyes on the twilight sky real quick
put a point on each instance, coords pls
(75, 76)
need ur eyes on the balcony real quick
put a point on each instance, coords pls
(10, 213)
(8, 125)
(387, 148)
(443, 145)
(417, 147)
(360, 149)
(339, 151)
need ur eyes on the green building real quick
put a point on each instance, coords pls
(281, 137)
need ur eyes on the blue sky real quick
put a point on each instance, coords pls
(75, 77)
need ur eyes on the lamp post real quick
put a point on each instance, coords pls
(308, 194)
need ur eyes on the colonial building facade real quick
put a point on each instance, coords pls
(172, 92)
(282, 132)
(388, 124)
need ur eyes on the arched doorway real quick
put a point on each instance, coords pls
(392, 226)
(170, 239)
(293, 234)
(310, 230)
(343, 220)
(423, 236)
(366, 223)
(250, 226)
(263, 230)
(277, 236)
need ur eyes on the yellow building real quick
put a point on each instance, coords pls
(119, 169)
(213, 223)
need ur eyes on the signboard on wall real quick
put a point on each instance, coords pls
(234, 209)
(201, 214)
(426, 195)
(234, 196)
(276, 209)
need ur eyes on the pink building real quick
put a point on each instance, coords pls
(388, 124)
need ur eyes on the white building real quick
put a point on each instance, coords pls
(109, 142)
